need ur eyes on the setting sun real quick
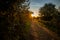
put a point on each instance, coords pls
(34, 15)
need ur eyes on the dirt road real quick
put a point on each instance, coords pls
(40, 33)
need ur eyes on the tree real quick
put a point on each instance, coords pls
(13, 21)
(47, 11)
(50, 17)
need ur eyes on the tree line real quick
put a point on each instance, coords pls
(50, 16)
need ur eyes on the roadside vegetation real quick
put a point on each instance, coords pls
(50, 17)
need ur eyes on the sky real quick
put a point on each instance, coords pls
(36, 4)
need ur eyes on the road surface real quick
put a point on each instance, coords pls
(40, 33)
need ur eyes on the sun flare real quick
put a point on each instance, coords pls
(34, 15)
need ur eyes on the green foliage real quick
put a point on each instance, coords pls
(48, 10)
(13, 20)
(50, 16)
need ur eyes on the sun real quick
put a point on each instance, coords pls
(34, 15)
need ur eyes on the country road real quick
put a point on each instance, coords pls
(41, 33)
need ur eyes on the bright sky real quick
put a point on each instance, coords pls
(36, 4)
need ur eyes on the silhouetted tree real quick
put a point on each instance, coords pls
(50, 17)
(47, 11)
(13, 24)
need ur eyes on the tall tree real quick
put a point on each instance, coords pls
(48, 10)
(50, 17)
(12, 19)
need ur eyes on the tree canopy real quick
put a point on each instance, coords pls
(14, 24)
(48, 10)
(50, 16)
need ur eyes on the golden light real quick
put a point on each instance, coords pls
(34, 15)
